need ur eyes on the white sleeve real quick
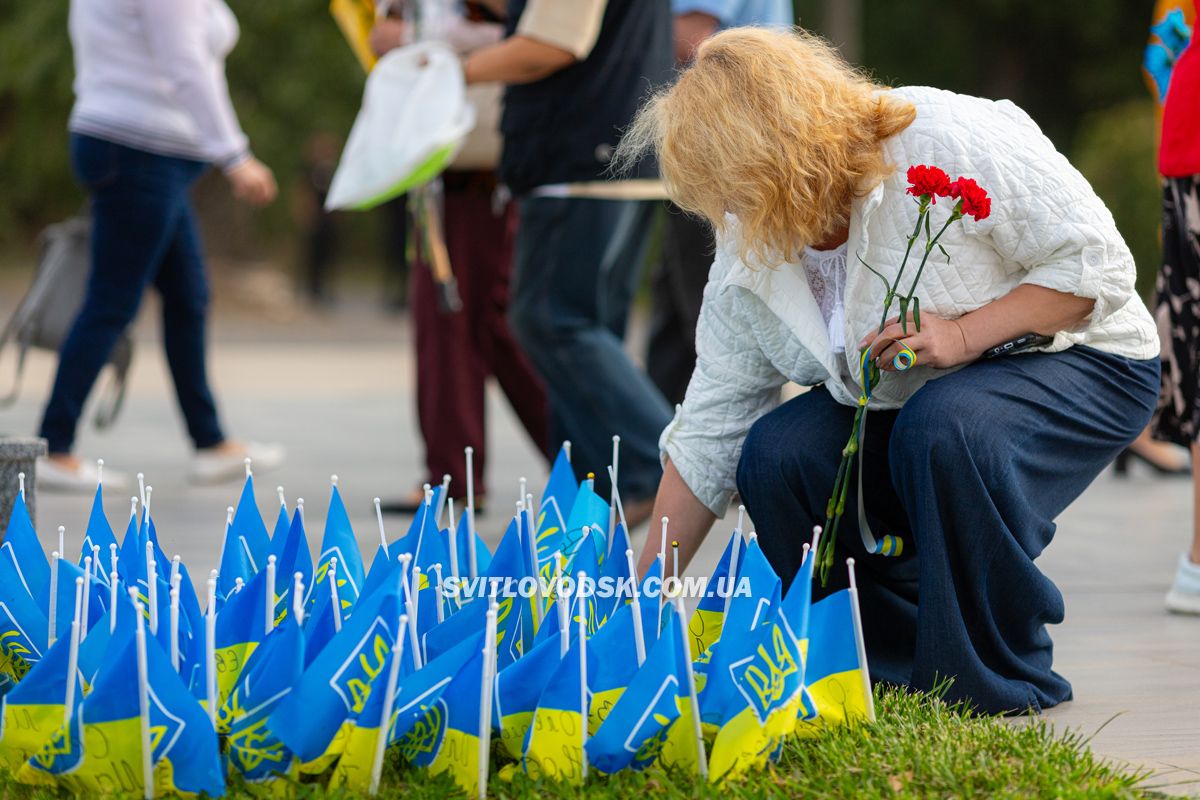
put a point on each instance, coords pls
(732, 386)
(1048, 220)
(177, 35)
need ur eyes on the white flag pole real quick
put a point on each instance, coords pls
(694, 701)
(174, 622)
(379, 519)
(334, 600)
(114, 559)
(21, 484)
(389, 700)
(52, 632)
(73, 655)
(563, 603)
(152, 585)
(441, 506)
(735, 555)
(454, 573)
(269, 599)
(441, 613)
(411, 607)
(84, 612)
(522, 511)
(141, 479)
(474, 565)
(298, 597)
(210, 652)
(583, 693)
(639, 636)
(620, 508)
(485, 697)
(176, 561)
(858, 640)
(612, 501)
(113, 580)
(143, 679)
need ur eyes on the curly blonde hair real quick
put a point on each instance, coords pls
(774, 127)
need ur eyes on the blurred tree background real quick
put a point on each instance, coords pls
(1074, 67)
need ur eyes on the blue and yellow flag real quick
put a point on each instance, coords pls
(446, 739)
(720, 697)
(704, 629)
(518, 689)
(240, 627)
(554, 744)
(248, 526)
(100, 534)
(255, 751)
(290, 548)
(764, 667)
(589, 510)
(557, 501)
(313, 719)
(511, 562)
(612, 663)
(23, 625)
(33, 712)
(834, 677)
(22, 551)
(635, 729)
(339, 542)
(100, 752)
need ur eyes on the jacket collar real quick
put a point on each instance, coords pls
(785, 291)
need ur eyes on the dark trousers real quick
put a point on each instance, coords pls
(143, 232)
(687, 254)
(971, 472)
(577, 266)
(457, 353)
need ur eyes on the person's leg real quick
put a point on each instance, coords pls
(983, 460)
(688, 248)
(785, 476)
(183, 285)
(450, 373)
(562, 314)
(1177, 418)
(490, 245)
(135, 213)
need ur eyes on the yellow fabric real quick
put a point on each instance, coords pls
(555, 746)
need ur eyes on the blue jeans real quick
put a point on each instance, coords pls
(971, 472)
(143, 232)
(576, 270)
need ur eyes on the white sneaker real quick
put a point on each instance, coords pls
(1184, 597)
(54, 476)
(209, 466)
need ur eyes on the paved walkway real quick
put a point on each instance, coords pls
(337, 391)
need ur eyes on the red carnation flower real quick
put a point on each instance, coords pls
(975, 200)
(928, 181)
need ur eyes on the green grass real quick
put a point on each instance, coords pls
(920, 747)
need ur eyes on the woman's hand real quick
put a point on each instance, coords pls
(940, 343)
(253, 182)
(388, 34)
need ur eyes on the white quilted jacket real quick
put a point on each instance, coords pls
(760, 328)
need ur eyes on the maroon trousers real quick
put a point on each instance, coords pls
(456, 353)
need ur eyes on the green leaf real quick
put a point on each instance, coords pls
(917, 312)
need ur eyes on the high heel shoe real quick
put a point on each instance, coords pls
(1121, 464)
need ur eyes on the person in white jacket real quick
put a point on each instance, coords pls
(152, 112)
(799, 164)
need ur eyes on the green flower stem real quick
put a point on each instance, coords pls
(891, 294)
(956, 215)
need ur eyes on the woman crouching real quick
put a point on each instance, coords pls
(799, 164)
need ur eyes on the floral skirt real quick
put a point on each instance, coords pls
(1177, 312)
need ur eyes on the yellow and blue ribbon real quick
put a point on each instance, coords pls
(888, 545)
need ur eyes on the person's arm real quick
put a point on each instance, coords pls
(692, 28)
(947, 343)
(551, 35)
(175, 32)
(690, 520)
(518, 59)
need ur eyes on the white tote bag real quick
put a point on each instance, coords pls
(413, 120)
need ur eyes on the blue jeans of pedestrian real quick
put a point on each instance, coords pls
(971, 472)
(576, 269)
(143, 232)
